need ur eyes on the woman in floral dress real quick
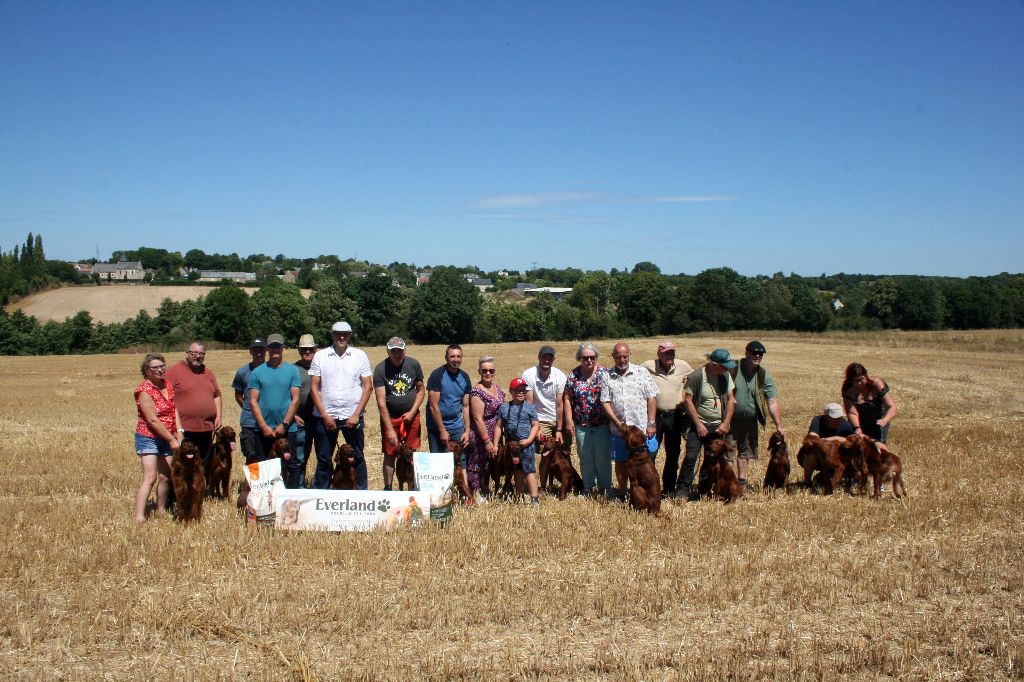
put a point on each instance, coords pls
(582, 397)
(485, 400)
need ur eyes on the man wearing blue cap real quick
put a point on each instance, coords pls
(249, 436)
(710, 401)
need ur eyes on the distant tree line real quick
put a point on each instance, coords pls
(383, 301)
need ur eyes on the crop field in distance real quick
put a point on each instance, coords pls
(775, 586)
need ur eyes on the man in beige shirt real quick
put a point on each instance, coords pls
(672, 420)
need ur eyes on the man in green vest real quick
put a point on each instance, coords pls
(756, 400)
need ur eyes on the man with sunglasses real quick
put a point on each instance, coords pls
(197, 398)
(756, 400)
(305, 435)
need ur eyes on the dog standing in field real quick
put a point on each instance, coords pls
(873, 457)
(835, 464)
(560, 469)
(644, 483)
(404, 470)
(718, 478)
(344, 468)
(218, 473)
(189, 482)
(777, 472)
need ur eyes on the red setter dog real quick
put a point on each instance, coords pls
(506, 473)
(218, 473)
(873, 457)
(644, 483)
(189, 481)
(825, 455)
(718, 478)
(777, 472)
(404, 469)
(459, 482)
(344, 468)
(560, 469)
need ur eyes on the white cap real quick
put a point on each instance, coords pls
(834, 410)
(342, 327)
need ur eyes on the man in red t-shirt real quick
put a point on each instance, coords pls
(196, 397)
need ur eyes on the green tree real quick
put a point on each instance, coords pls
(919, 304)
(813, 313)
(445, 309)
(223, 313)
(329, 304)
(717, 299)
(641, 301)
(278, 308)
(881, 302)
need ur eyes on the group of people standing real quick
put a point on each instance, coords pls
(323, 396)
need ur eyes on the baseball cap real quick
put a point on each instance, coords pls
(834, 410)
(306, 341)
(275, 340)
(258, 342)
(342, 327)
(546, 350)
(666, 345)
(720, 356)
(396, 342)
(516, 384)
(756, 347)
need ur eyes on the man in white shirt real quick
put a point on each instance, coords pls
(544, 386)
(340, 385)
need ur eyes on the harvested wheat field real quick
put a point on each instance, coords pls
(113, 303)
(783, 586)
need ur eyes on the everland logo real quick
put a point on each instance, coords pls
(351, 506)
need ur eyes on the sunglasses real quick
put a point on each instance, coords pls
(588, 358)
(488, 371)
(307, 350)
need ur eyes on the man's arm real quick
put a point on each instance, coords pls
(289, 414)
(380, 393)
(730, 407)
(465, 420)
(434, 407)
(353, 420)
(652, 411)
(559, 419)
(773, 410)
(218, 411)
(257, 413)
(691, 409)
(612, 417)
(414, 412)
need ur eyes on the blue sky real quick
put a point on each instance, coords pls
(882, 137)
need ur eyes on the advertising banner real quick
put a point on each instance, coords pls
(435, 475)
(359, 510)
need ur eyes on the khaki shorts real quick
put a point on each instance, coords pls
(744, 431)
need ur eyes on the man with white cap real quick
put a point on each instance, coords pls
(831, 422)
(544, 386)
(249, 435)
(709, 399)
(398, 388)
(672, 420)
(305, 437)
(339, 381)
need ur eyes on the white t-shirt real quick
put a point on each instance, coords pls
(545, 392)
(341, 384)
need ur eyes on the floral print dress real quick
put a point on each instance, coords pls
(478, 463)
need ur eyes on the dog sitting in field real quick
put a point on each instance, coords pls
(506, 473)
(218, 472)
(717, 476)
(644, 483)
(344, 468)
(873, 457)
(459, 483)
(189, 481)
(560, 469)
(777, 472)
(404, 470)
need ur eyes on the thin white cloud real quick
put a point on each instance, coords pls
(534, 199)
(679, 198)
(550, 218)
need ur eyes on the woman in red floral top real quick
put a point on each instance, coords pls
(582, 397)
(157, 436)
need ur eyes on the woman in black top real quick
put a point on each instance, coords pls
(868, 402)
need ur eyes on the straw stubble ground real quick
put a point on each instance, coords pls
(774, 586)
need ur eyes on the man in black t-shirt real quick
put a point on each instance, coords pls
(831, 422)
(398, 387)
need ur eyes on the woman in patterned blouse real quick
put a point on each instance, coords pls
(582, 397)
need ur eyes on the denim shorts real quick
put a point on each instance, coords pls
(144, 445)
(619, 452)
(528, 462)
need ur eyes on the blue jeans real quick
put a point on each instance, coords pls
(593, 445)
(327, 441)
(434, 439)
(305, 439)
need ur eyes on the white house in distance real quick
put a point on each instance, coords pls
(121, 270)
(218, 275)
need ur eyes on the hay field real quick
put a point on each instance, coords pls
(114, 303)
(796, 586)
